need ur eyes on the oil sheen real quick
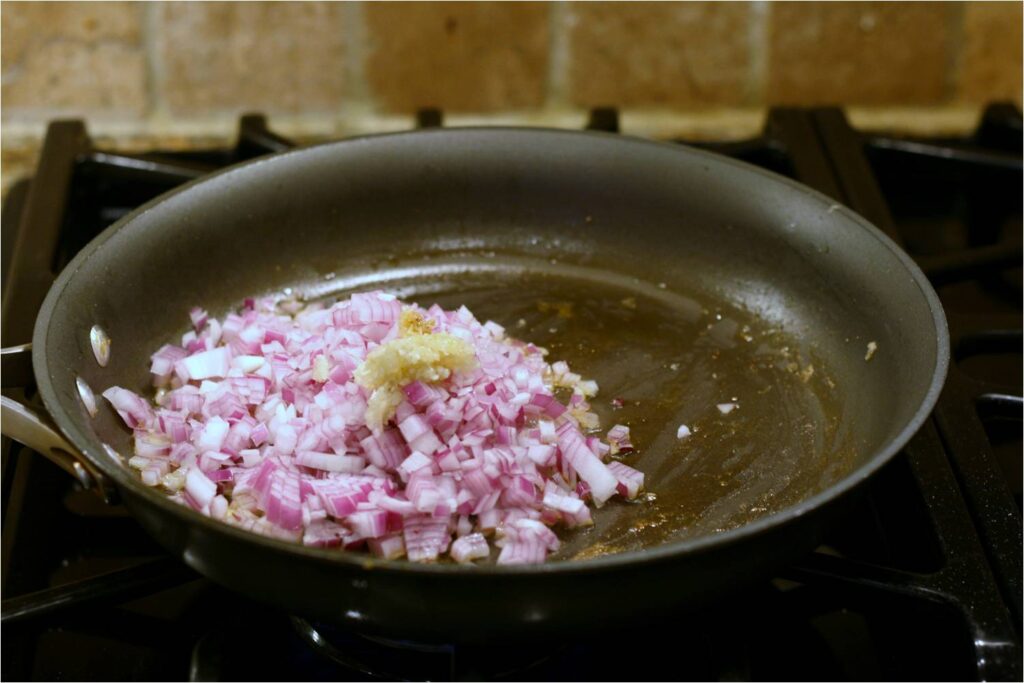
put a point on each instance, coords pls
(663, 358)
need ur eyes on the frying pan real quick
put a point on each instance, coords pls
(679, 279)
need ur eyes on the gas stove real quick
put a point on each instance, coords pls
(919, 579)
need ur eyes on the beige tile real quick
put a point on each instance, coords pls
(991, 60)
(660, 54)
(28, 24)
(859, 53)
(277, 57)
(73, 58)
(470, 57)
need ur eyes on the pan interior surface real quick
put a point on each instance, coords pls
(763, 409)
(677, 279)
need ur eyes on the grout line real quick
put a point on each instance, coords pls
(557, 85)
(758, 30)
(721, 123)
(359, 102)
(156, 107)
(955, 58)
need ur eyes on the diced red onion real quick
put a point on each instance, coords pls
(415, 461)
(199, 318)
(199, 487)
(163, 361)
(630, 480)
(562, 501)
(390, 548)
(618, 439)
(425, 537)
(212, 436)
(325, 534)
(470, 547)
(260, 423)
(602, 482)
(151, 445)
(132, 408)
(329, 462)
(369, 523)
(529, 551)
(205, 364)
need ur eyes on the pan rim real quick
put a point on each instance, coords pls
(667, 552)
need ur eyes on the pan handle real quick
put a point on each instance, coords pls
(33, 428)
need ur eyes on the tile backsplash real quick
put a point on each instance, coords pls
(151, 68)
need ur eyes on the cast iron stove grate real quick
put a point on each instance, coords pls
(920, 580)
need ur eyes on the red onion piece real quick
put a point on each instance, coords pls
(470, 547)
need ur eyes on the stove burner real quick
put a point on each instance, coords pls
(385, 659)
(922, 579)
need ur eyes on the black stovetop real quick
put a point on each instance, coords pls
(920, 579)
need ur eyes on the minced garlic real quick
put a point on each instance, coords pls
(321, 369)
(412, 322)
(418, 355)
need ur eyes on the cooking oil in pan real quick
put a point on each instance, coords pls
(762, 412)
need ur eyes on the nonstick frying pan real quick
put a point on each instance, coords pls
(677, 278)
